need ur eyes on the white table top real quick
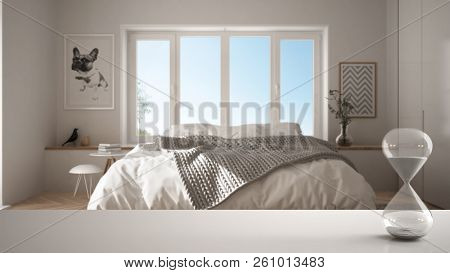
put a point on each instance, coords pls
(210, 231)
(118, 154)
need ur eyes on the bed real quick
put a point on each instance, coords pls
(154, 178)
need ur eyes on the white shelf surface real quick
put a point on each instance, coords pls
(210, 231)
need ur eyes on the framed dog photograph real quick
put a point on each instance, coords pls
(89, 72)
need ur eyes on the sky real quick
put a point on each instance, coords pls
(200, 80)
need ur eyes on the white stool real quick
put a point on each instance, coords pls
(82, 171)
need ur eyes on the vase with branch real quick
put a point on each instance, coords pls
(341, 107)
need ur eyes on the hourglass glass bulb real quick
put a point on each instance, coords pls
(407, 150)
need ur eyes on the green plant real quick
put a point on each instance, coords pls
(143, 107)
(342, 108)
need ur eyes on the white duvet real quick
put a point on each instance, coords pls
(150, 180)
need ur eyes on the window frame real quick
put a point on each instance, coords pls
(131, 84)
(317, 72)
(128, 87)
(178, 68)
(272, 66)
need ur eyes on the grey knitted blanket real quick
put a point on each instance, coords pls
(212, 168)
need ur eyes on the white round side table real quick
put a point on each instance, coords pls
(111, 158)
(82, 171)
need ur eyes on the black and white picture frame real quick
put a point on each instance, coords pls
(89, 72)
(358, 83)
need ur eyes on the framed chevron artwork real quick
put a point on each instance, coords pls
(358, 83)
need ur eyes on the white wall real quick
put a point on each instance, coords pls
(436, 99)
(392, 85)
(375, 168)
(33, 79)
(354, 24)
(410, 76)
(1, 106)
(425, 88)
(58, 164)
(29, 96)
(392, 68)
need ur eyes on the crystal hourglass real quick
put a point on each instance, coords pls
(406, 216)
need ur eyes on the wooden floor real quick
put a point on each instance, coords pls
(66, 201)
(383, 198)
(53, 201)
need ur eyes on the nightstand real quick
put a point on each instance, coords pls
(111, 158)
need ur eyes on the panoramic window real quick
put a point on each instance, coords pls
(297, 83)
(200, 79)
(249, 79)
(222, 78)
(153, 81)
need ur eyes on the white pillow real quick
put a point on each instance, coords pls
(286, 129)
(248, 130)
(260, 130)
(194, 129)
(240, 131)
(144, 149)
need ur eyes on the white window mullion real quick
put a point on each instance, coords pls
(319, 97)
(225, 81)
(317, 100)
(275, 81)
(160, 93)
(132, 68)
(199, 74)
(175, 87)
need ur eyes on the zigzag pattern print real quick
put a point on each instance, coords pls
(358, 85)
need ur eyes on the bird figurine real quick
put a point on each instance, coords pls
(73, 137)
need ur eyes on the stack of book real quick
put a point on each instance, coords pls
(108, 149)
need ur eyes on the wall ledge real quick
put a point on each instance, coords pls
(129, 147)
(360, 147)
(80, 148)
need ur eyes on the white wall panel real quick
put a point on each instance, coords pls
(436, 100)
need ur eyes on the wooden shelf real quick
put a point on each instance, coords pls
(80, 148)
(127, 148)
(360, 147)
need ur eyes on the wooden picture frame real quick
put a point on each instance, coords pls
(92, 90)
(358, 83)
